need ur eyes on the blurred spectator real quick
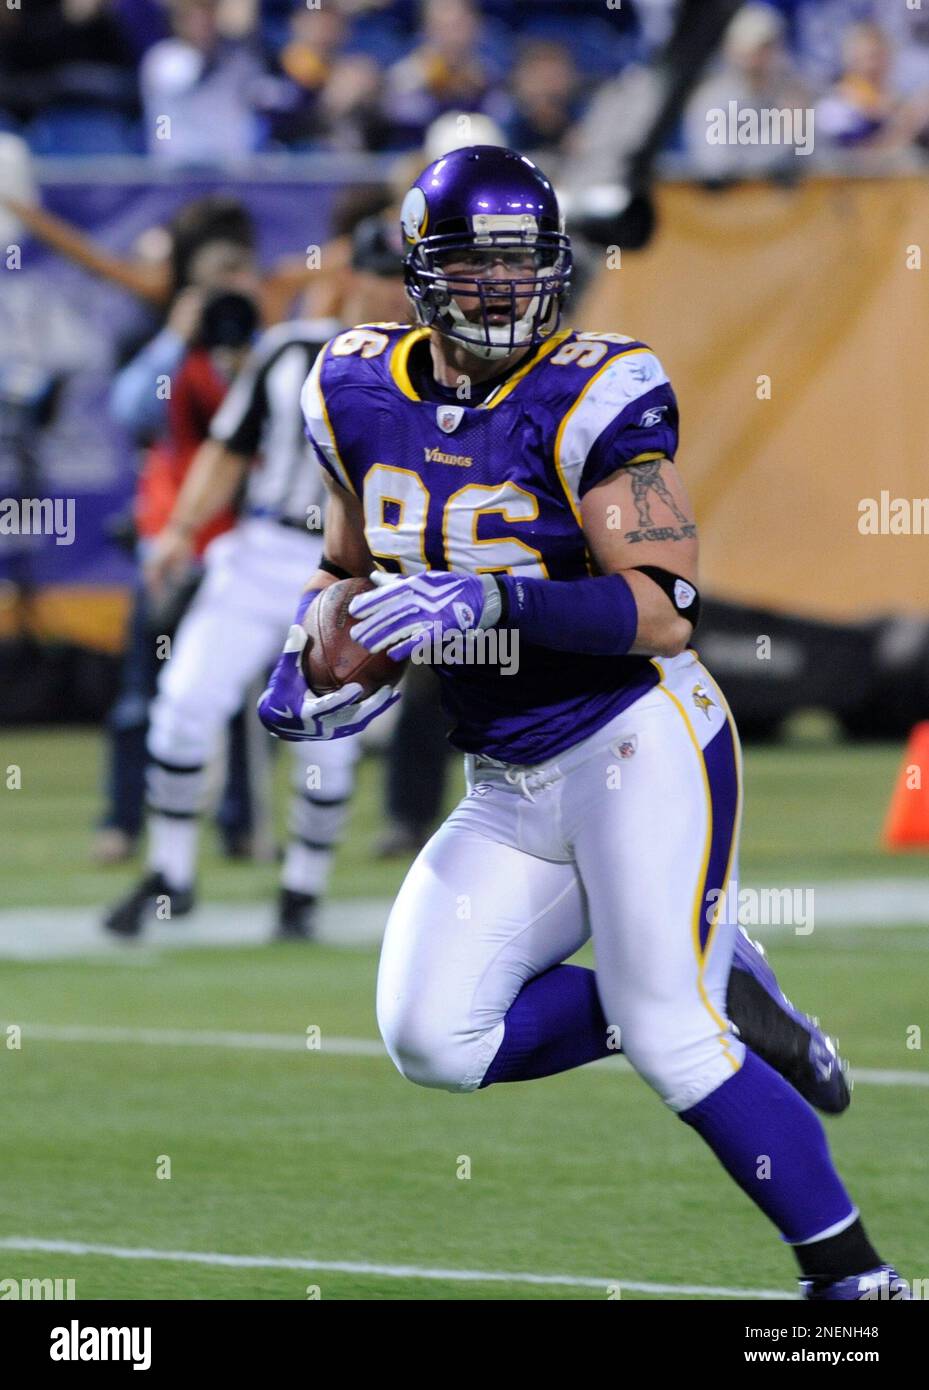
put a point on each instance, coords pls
(860, 106)
(317, 37)
(907, 26)
(816, 28)
(756, 75)
(328, 99)
(863, 110)
(543, 89)
(67, 73)
(445, 71)
(200, 90)
(453, 131)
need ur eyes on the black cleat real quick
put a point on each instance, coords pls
(296, 916)
(152, 900)
(789, 1041)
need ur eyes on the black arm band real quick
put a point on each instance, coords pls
(328, 567)
(683, 595)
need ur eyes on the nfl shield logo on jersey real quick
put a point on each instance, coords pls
(626, 747)
(684, 593)
(448, 417)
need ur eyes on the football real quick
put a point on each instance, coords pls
(331, 657)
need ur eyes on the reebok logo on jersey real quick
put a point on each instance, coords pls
(652, 416)
(456, 460)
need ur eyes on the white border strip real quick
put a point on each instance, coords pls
(383, 1271)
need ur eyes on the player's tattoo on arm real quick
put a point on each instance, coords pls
(646, 482)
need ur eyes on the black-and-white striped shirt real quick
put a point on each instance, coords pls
(260, 418)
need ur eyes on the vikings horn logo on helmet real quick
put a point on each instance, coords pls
(414, 215)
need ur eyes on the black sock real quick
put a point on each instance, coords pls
(837, 1257)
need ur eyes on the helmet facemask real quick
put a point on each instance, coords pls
(493, 292)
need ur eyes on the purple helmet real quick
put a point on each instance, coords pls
(468, 212)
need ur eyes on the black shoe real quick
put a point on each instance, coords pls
(789, 1041)
(296, 916)
(152, 900)
(236, 844)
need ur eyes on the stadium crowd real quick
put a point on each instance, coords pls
(193, 82)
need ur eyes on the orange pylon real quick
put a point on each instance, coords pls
(907, 823)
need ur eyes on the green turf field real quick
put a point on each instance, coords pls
(297, 1159)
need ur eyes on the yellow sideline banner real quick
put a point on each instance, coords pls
(793, 326)
(87, 615)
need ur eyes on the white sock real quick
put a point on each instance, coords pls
(306, 870)
(172, 847)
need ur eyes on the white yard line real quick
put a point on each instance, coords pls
(182, 1037)
(382, 1271)
(335, 1046)
(49, 933)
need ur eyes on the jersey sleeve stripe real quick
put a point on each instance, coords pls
(608, 392)
(319, 425)
(647, 457)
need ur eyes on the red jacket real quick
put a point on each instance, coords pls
(197, 390)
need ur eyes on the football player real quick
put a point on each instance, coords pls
(490, 470)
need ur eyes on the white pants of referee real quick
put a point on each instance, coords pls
(621, 839)
(229, 637)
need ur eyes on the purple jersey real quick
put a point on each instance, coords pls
(496, 486)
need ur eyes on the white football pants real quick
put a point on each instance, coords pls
(622, 839)
(231, 634)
